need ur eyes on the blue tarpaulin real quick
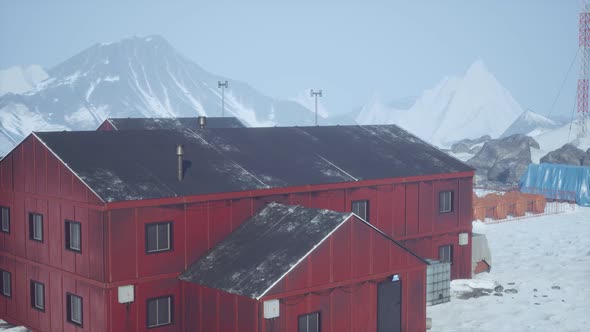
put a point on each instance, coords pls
(553, 180)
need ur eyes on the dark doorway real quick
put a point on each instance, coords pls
(389, 306)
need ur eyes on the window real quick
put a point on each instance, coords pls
(6, 283)
(158, 237)
(73, 235)
(74, 309)
(445, 201)
(5, 219)
(38, 295)
(159, 311)
(309, 323)
(36, 227)
(361, 209)
(445, 253)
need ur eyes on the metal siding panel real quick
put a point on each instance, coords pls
(161, 262)
(361, 249)
(362, 309)
(82, 259)
(219, 221)
(247, 315)
(321, 263)
(21, 286)
(6, 173)
(65, 182)
(384, 210)
(341, 253)
(303, 199)
(399, 210)
(28, 165)
(53, 180)
(96, 301)
(209, 310)
(416, 314)
(412, 208)
(95, 248)
(54, 232)
(123, 245)
(79, 190)
(56, 301)
(196, 231)
(241, 210)
(227, 312)
(19, 169)
(448, 220)
(68, 258)
(426, 207)
(40, 168)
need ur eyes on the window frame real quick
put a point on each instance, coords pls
(170, 237)
(69, 297)
(170, 311)
(441, 207)
(32, 216)
(308, 315)
(450, 247)
(366, 203)
(2, 285)
(68, 235)
(2, 229)
(33, 294)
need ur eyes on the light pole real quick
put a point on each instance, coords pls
(222, 86)
(316, 94)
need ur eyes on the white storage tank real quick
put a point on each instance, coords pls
(438, 282)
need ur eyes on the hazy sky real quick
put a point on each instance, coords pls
(350, 49)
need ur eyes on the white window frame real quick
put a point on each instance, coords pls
(38, 295)
(72, 301)
(36, 220)
(158, 225)
(354, 206)
(444, 249)
(157, 302)
(6, 283)
(70, 225)
(445, 201)
(5, 219)
(307, 327)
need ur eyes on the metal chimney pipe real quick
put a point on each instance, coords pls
(180, 157)
(202, 121)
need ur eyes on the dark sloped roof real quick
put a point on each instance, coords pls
(134, 165)
(173, 123)
(263, 249)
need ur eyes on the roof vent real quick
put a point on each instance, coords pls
(180, 156)
(202, 121)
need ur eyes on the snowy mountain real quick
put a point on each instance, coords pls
(17, 79)
(554, 139)
(135, 77)
(531, 124)
(457, 108)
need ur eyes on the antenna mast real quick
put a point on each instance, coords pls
(582, 93)
(316, 94)
(222, 86)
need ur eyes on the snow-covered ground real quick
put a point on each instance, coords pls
(5, 327)
(543, 265)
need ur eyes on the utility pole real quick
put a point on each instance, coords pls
(222, 86)
(316, 94)
(582, 91)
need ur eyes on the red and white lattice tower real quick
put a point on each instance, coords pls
(584, 40)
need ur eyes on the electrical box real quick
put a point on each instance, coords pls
(271, 309)
(126, 294)
(463, 239)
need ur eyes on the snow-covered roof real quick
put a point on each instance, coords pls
(173, 123)
(253, 258)
(142, 164)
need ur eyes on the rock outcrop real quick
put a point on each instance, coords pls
(569, 155)
(504, 160)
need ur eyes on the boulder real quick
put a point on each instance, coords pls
(569, 155)
(467, 145)
(504, 160)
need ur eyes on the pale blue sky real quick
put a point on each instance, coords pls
(349, 49)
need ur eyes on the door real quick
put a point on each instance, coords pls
(389, 306)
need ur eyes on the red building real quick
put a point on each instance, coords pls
(108, 230)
